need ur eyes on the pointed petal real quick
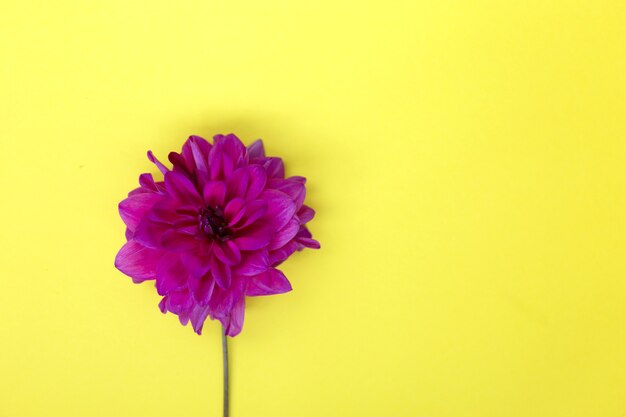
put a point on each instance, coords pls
(221, 273)
(198, 260)
(165, 211)
(253, 263)
(214, 193)
(176, 241)
(227, 252)
(237, 183)
(215, 162)
(254, 237)
(306, 214)
(137, 261)
(274, 168)
(258, 179)
(180, 164)
(298, 178)
(201, 288)
(194, 158)
(234, 210)
(281, 208)
(171, 273)
(304, 239)
(187, 225)
(225, 156)
(268, 283)
(285, 234)
(309, 243)
(233, 147)
(235, 321)
(256, 149)
(179, 301)
(158, 163)
(147, 182)
(294, 189)
(149, 232)
(135, 207)
(163, 305)
(278, 256)
(182, 189)
(198, 317)
(221, 302)
(200, 158)
(183, 318)
(254, 210)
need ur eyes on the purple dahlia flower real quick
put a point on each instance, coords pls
(215, 230)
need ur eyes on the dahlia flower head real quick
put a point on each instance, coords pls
(214, 230)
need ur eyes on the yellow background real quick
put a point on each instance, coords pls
(467, 160)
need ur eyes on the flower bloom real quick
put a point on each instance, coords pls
(214, 231)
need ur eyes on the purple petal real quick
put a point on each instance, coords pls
(298, 178)
(180, 164)
(306, 214)
(253, 212)
(200, 158)
(179, 301)
(235, 320)
(165, 211)
(183, 318)
(182, 189)
(221, 273)
(237, 183)
(280, 208)
(187, 155)
(295, 190)
(147, 182)
(254, 237)
(258, 179)
(270, 282)
(253, 263)
(233, 147)
(134, 208)
(309, 243)
(176, 241)
(224, 156)
(234, 210)
(227, 252)
(274, 168)
(285, 234)
(213, 193)
(304, 239)
(149, 232)
(198, 260)
(276, 257)
(137, 261)
(198, 317)
(256, 149)
(187, 225)
(202, 151)
(163, 305)
(215, 162)
(158, 163)
(221, 302)
(201, 288)
(171, 274)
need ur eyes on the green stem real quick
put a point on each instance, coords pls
(225, 362)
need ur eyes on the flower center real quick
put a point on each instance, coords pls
(212, 223)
